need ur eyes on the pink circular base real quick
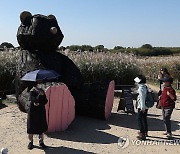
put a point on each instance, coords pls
(109, 100)
(60, 109)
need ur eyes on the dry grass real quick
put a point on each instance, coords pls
(99, 66)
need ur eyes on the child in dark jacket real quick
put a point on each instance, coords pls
(167, 102)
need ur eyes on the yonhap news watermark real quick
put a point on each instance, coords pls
(124, 142)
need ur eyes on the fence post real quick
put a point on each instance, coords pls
(178, 84)
(154, 77)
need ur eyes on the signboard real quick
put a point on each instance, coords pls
(128, 99)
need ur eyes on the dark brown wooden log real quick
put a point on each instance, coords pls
(91, 100)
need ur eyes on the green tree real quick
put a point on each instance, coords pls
(74, 48)
(147, 46)
(118, 47)
(7, 45)
(99, 48)
(86, 48)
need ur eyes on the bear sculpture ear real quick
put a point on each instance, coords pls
(51, 17)
(24, 15)
(53, 30)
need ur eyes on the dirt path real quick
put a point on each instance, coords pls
(87, 135)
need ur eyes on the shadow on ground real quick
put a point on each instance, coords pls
(129, 121)
(2, 105)
(87, 130)
(156, 138)
(65, 150)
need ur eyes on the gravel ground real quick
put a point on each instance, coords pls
(87, 135)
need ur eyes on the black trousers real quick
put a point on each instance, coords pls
(142, 121)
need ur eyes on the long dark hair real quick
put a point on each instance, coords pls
(143, 79)
(165, 71)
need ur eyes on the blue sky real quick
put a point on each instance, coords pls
(129, 23)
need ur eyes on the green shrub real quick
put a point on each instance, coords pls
(8, 64)
(156, 51)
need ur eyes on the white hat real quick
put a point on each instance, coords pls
(137, 80)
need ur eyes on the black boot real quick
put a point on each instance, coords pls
(42, 145)
(30, 145)
(141, 136)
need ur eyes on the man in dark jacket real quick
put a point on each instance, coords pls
(36, 121)
(167, 102)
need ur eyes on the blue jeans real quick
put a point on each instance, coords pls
(166, 118)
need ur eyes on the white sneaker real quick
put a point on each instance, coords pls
(169, 135)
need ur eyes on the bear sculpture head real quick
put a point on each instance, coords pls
(39, 32)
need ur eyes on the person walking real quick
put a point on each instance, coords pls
(167, 103)
(141, 107)
(36, 120)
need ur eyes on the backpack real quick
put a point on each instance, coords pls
(149, 98)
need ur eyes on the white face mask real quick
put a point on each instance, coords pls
(39, 85)
(137, 80)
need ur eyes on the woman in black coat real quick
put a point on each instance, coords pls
(36, 121)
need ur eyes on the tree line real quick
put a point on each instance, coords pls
(82, 48)
(144, 50)
(6, 45)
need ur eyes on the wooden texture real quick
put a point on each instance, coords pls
(60, 109)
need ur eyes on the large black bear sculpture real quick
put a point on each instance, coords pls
(39, 36)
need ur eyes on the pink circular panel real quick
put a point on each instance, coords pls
(109, 99)
(60, 109)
